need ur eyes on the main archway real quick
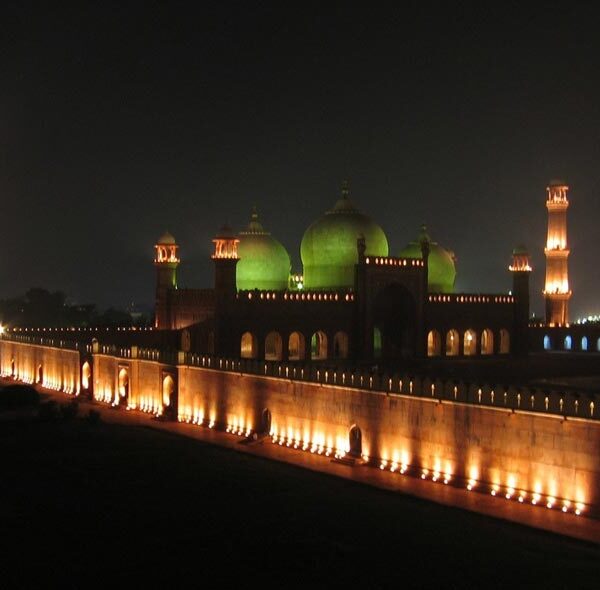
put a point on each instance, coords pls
(394, 313)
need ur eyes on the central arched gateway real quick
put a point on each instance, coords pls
(394, 315)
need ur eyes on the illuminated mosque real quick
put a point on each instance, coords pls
(353, 300)
(365, 357)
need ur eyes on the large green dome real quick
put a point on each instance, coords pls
(328, 248)
(441, 267)
(264, 262)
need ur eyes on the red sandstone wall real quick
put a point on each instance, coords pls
(60, 368)
(521, 450)
(144, 377)
(545, 454)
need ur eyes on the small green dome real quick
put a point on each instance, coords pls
(441, 263)
(328, 249)
(166, 239)
(520, 250)
(264, 263)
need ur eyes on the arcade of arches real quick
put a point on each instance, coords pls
(452, 343)
(469, 340)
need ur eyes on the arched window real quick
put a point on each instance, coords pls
(487, 342)
(470, 343)
(584, 343)
(248, 347)
(40, 374)
(452, 342)
(86, 375)
(434, 343)
(296, 347)
(547, 343)
(568, 344)
(377, 342)
(340, 345)
(273, 346)
(168, 389)
(504, 341)
(318, 346)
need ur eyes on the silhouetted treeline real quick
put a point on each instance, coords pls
(40, 308)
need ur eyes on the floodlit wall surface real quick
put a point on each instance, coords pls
(543, 445)
(52, 367)
(518, 450)
(132, 383)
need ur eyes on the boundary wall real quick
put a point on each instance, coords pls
(521, 444)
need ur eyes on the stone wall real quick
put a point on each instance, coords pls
(53, 367)
(525, 451)
(498, 439)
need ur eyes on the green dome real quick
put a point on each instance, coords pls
(328, 248)
(166, 239)
(441, 268)
(264, 263)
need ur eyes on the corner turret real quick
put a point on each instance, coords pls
(166, 261)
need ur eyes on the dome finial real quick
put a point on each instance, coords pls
(423, 235)
(254, 226)
(345, 189)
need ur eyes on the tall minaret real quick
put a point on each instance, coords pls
(557, 291)
(166, 262)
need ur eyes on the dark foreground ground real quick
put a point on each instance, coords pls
(83, 505)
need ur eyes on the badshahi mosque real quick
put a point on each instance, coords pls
(353, 299)
(366, 357)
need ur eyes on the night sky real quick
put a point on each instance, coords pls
(117, 124)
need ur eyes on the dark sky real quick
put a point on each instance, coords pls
(117, 124)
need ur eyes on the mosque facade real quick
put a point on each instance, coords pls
(352, 301)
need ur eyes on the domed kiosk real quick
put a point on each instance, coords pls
(328, 249)
(441, 262)
(264, 262)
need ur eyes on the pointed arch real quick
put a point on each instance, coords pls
(355, 441)
(248, 346)
(123, 388)
(296, 346)
(434, 343)
(452, 343)
(318, 346)
(470, 343)
(487, 342)
(273, 347)
(86, 375)
(168, 389)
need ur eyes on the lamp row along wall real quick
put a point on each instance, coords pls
(466, 435)
(52, 367)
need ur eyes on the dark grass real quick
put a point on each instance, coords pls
(83, 505)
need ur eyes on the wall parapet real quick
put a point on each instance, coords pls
(549, 401)
(470, 298)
